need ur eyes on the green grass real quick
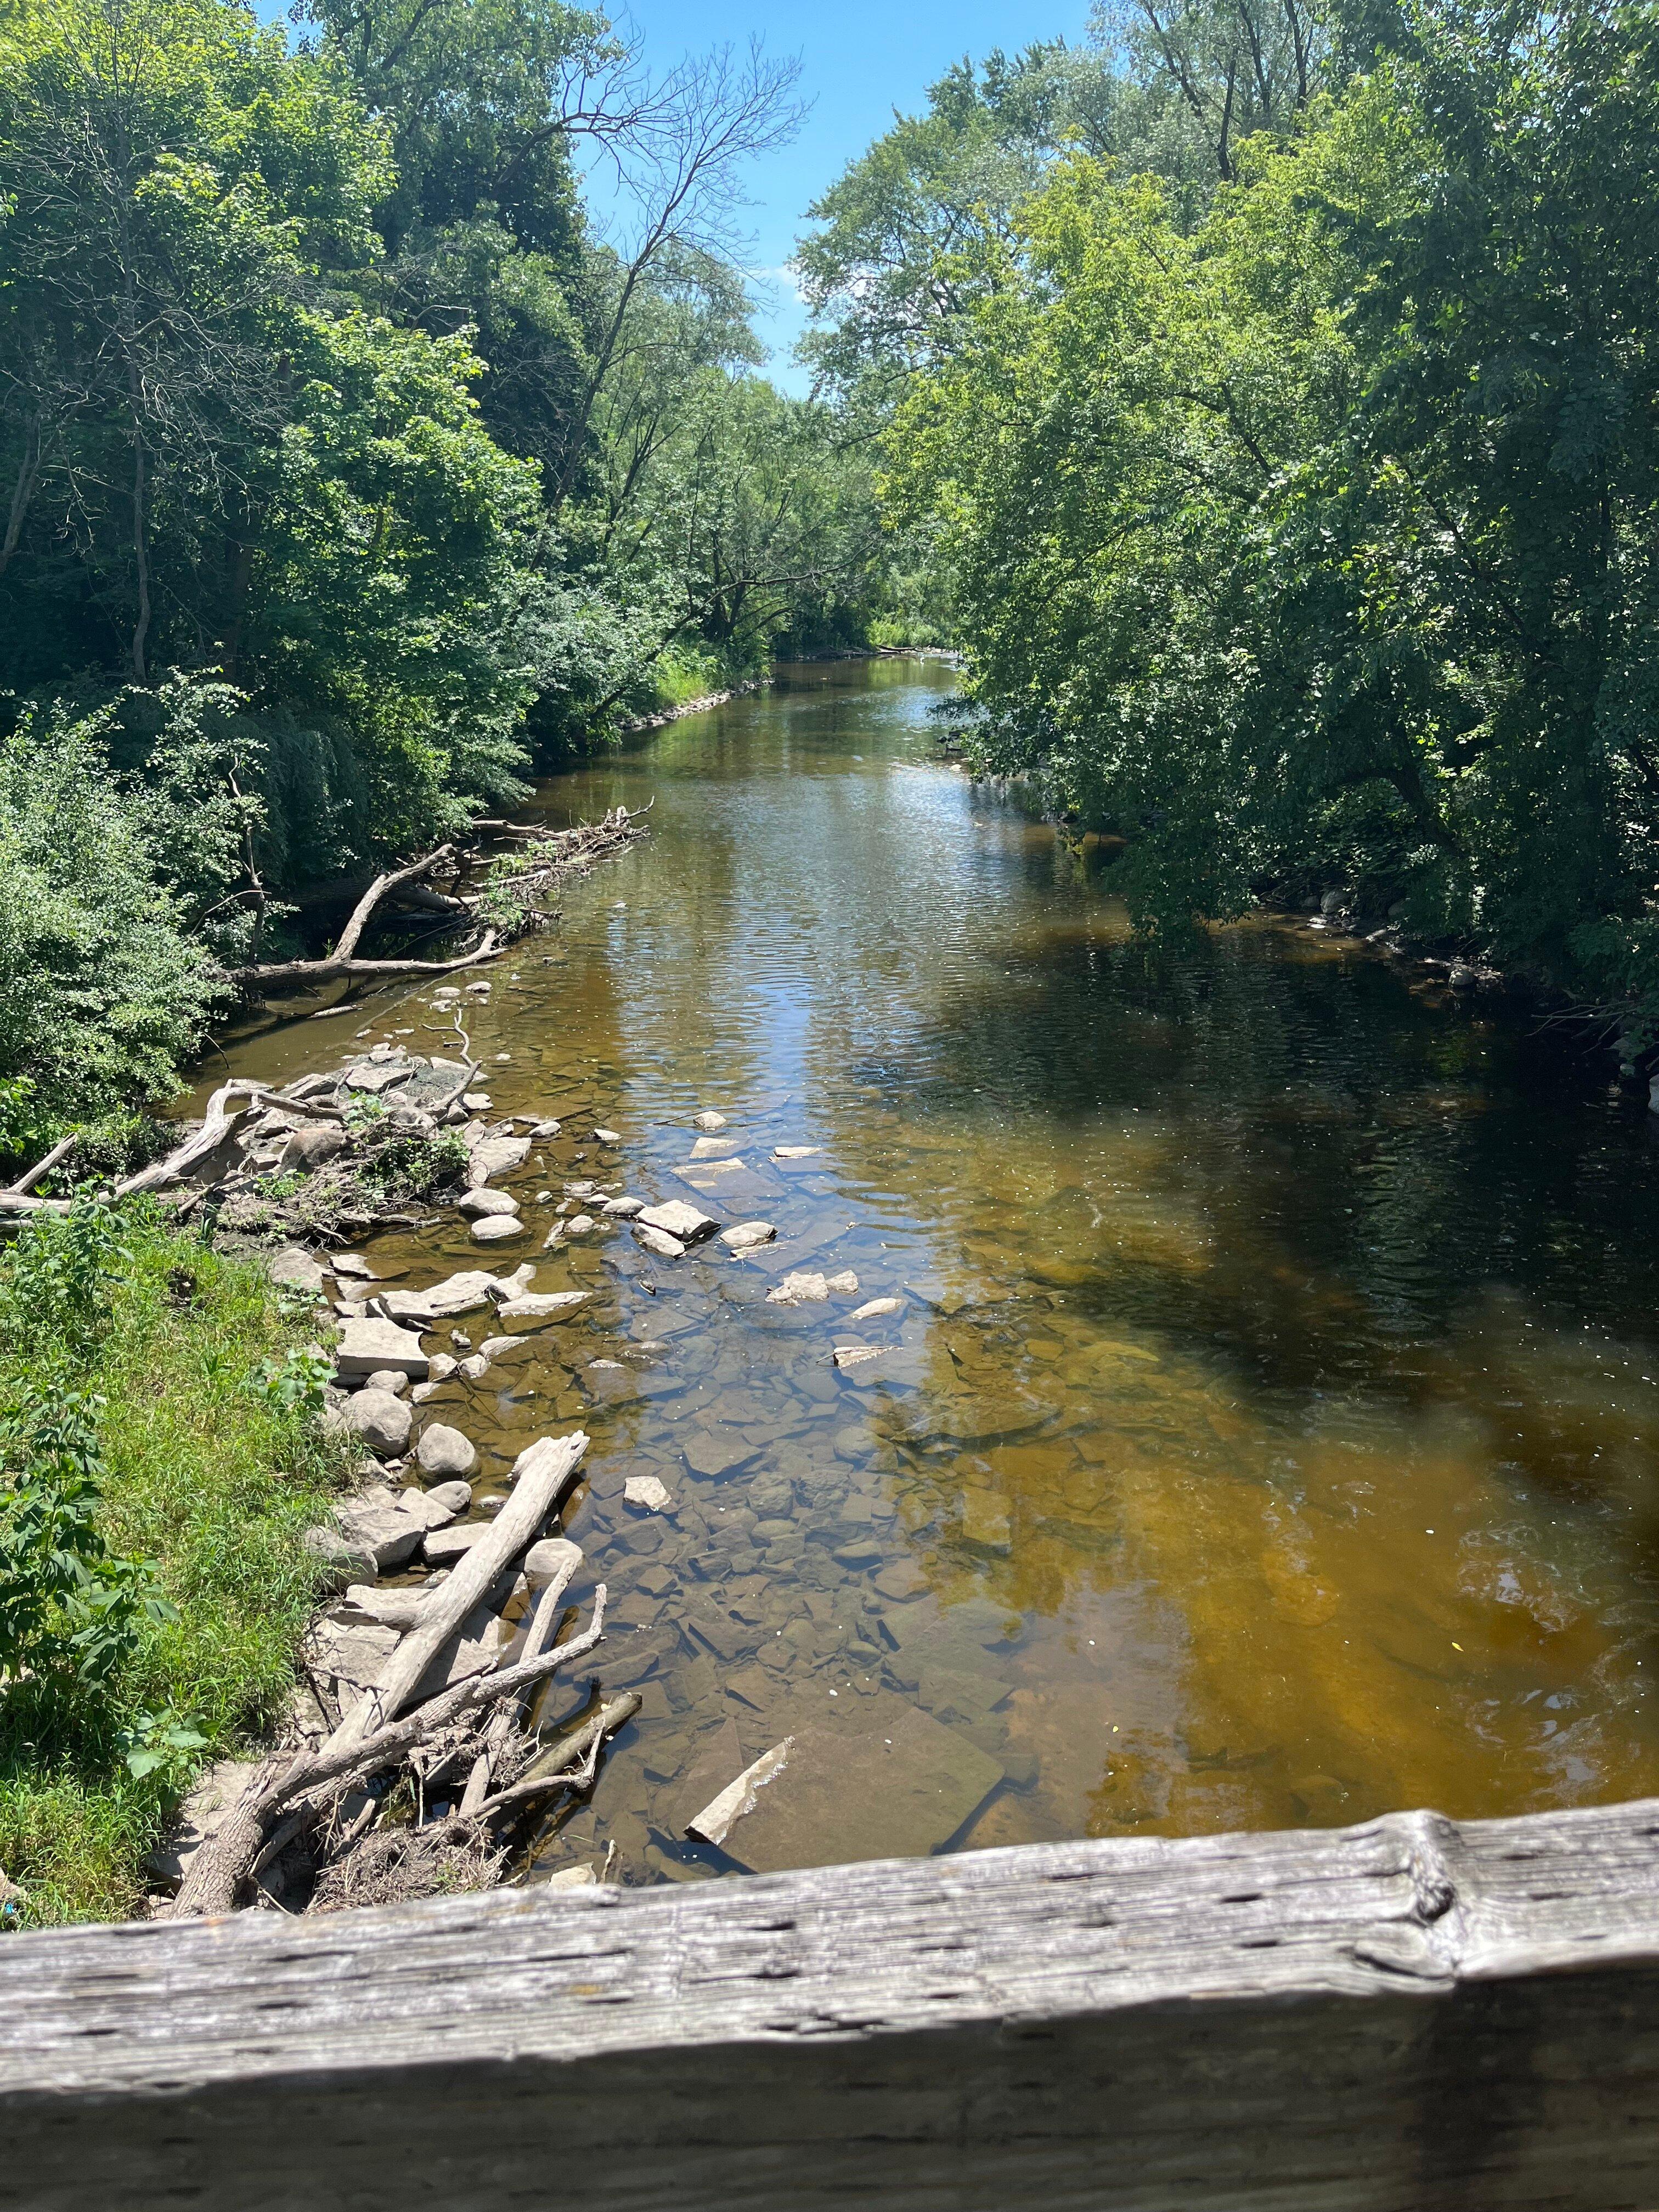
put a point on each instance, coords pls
(211, 1477)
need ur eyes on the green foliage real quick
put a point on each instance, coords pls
(1318, 536)
(69, 1607)
(296, 1383)
(124, 1351)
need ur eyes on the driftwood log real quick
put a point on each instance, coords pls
(343, 961)
(1413, 2016)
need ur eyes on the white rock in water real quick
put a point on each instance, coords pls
(876, 1306)
(291, 1265)
(676, 1219)
(855, 1355)
(747, 1235)
(479, 1204)
(353, 1263)
(796, 1152)
(445, 1451)
(388, 1378)
(701, 1174)
(646, 1492)
(709, 1119)
(572, 1877)
(658, 1240)
(844, 1285)
(494, 1156)
(716, 1821)
(472, 1368)
(497, 1228)
(579, 1224)
(381, 1420)
(802, 1288)
(544, 1562)
(367, 1345)
(421, 1393)
(548, 1127)
(477, 1102)
(607, 1136)
(478, 990)
(541, 1305)
(624, 1208)
(716, 1148)
(451, 1498)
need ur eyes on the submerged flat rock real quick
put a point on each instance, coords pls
(866, 1778)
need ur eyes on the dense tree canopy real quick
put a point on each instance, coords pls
(1317, 534)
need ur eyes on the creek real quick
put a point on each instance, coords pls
(1265, 1432)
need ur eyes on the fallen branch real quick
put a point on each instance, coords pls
(582, 1745)
(540, 1475)
(344, 960)
(59, 1153)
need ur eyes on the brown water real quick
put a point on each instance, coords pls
(1269, 1436)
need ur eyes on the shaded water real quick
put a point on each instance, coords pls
(1267, 1436)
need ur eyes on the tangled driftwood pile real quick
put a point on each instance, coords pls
(448, 1716)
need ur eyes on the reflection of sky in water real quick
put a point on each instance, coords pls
(1274, 1442)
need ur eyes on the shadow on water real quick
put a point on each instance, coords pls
(1264, 1432)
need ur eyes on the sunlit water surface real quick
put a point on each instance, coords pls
(1268, 1437)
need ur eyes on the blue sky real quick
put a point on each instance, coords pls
(860, 60)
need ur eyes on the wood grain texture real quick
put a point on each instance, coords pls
(1407, 2016)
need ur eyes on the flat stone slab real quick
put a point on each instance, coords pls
(478, 1204)
(542, 1305)
(740, 1796)
(367, 1345)
(295, 1266)
(494, 1156)
(870, 1778)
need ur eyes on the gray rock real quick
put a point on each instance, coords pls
(678, 1219)
(607, 1136)
(310, 1148)
(388, 1378)
(445, 1546)
(624, 1208)
(379, 1419)
(800, 1288)
(292, 1265)
(474, 1367)
(454, 1497)
(542, 1129)
(541, 1305)
(376, 1524)
(445, 1451)
(497, 1228)
(746, 1235)
(658, 1240)
(342, 1561)
(494, 1156)
(579, 1224)
(479, 1204)
(709, 1119)
(855, 1355)
(443, 1365)
(645, 1492)
(353, 1263)
(367, 1345)
(544, 1562)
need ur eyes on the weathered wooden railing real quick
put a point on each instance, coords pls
(1409, 2016)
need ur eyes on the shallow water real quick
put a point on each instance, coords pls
(1266, 1435)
